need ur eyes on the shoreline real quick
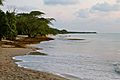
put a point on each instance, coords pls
(9, 70)
(36, 49)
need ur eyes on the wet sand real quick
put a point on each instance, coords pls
(10, 71)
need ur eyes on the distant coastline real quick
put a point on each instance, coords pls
(74, 32)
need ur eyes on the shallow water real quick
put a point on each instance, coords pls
(89, 59)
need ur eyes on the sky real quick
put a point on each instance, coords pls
(74, 15)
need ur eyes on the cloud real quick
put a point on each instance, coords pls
(83, 13)
(106, 7)
(60, 2)
(118, 1)
(99, 9)
(20, 8)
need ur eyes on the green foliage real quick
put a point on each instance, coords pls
(27, 24)
(33, 24)
(2, 24)
(11, 32)
(36, 13)
(7, 25)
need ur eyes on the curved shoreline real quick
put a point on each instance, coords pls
(67, 76)
(10, 71)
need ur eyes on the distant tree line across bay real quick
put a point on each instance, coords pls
(74, 32)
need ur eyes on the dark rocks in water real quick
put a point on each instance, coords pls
(17, 60)
(37, 53)
(117, 68)
(75, 39)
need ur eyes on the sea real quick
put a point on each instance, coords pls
(78, 56)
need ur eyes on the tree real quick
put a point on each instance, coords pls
(45, 28)
(32, 23)
(27, 24)
(11, 31)
(2, 24)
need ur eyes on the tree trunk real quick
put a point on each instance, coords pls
(0, 38)
(29, 35)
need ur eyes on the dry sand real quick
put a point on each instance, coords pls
(10, 71)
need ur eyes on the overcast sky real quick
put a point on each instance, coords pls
(75, 15)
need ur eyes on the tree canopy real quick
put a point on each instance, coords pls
(8, 25)
(11, 32)
(31, 24)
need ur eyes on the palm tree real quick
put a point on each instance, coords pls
(33, 24)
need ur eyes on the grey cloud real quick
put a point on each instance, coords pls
(105, 7)
(83, 13)
(99, 7)
(118, 1)
(60, 2)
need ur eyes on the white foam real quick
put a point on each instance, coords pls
(13, 58)
(19, 65)
(71, 76)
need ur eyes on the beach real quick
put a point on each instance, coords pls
(10, 71)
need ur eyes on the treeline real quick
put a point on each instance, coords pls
(31, 24)
(71, 32)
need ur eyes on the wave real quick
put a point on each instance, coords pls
(71, 77)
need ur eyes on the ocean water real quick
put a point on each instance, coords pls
(91, 59)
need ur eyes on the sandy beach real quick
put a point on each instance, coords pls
(10, 71)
